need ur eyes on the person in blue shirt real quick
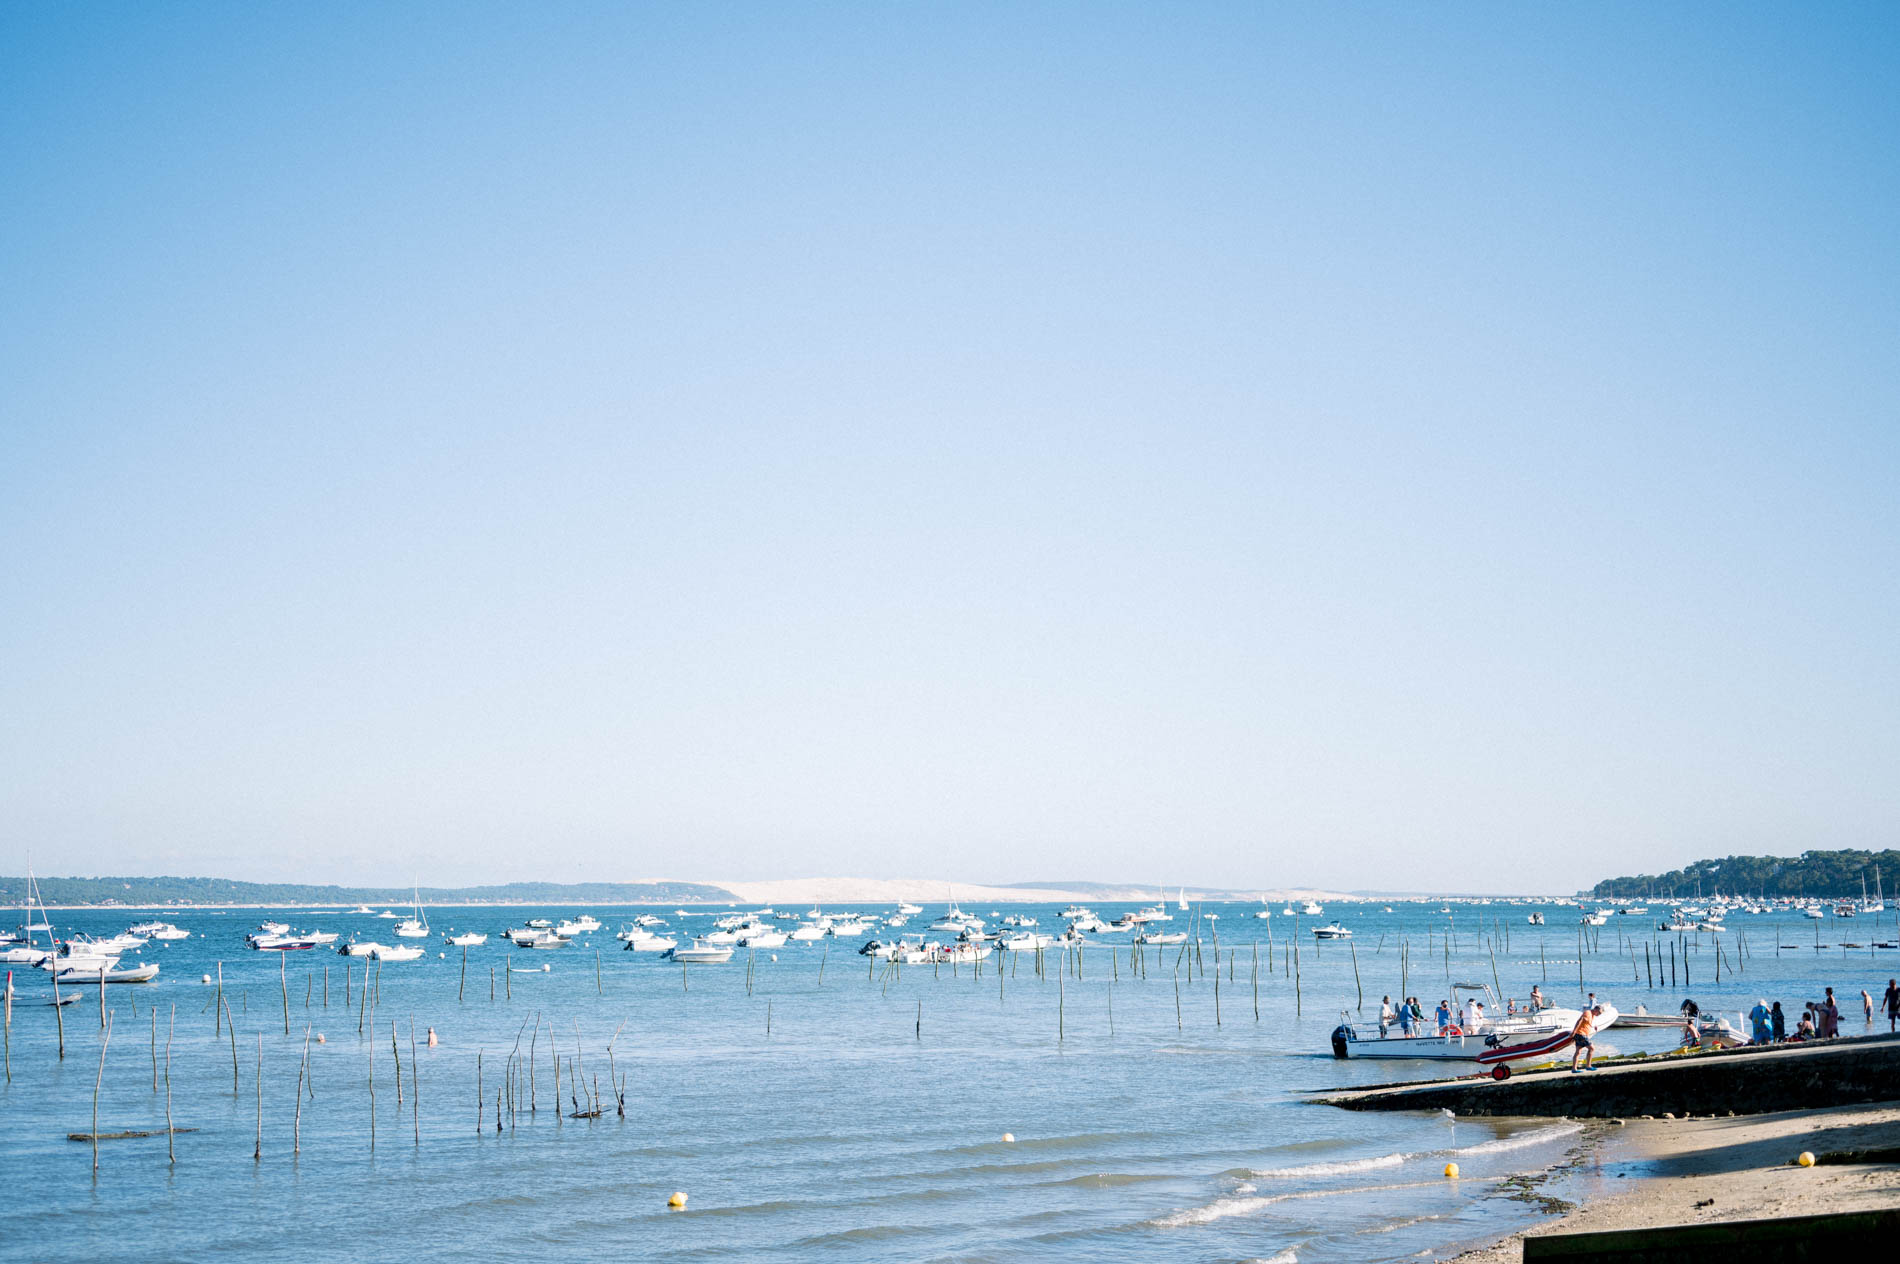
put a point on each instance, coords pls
(1759, 1019)
(1444, 1016)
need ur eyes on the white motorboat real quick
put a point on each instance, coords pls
(1019, 920)
(387, 914)
(282, 943)
(648, 919)
(1333, 930)
(24, 955)
(1548, 1034)
(144, 972)
(1263, 914)
(367, 948)
(399, 952)
(850, 927)
(1534, 919)
(1162, 937)
(110, 946)
(1594, 919)
(907, 909)
(544, 939)
(72, 956)
(761, 937)
(651, 943)
(471, 939)
(273, 928)
(811, 932)
(701, 953)
(1310, 909)
(362, 910)
(147, 928)
(170, 933)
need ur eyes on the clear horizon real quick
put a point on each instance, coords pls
(1293, 448)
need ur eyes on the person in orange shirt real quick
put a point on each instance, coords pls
(1580, 1034)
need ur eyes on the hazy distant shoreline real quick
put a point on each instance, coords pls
(216, 893)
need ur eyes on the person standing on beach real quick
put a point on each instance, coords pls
(1892, 999)
(1758, 1020)
(1867, 1006)
(1580, 1036)
(1778, 1023)
(1830, 1015)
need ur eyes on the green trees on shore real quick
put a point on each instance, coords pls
(1824, 874)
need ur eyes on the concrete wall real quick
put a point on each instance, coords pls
(1739, 1081)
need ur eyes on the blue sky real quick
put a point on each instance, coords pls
(1362, 445)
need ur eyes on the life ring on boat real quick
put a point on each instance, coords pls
(1454, 1030)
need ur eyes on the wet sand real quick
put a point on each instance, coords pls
(1653, 1172)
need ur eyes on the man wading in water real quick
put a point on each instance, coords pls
(1581, 1033)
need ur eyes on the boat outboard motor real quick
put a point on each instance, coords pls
(1342, 1036)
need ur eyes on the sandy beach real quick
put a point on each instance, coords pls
(1652, 1172)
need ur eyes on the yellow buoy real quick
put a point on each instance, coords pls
(677, 1200)
(1806, 1159)
(1009, 1138)
(1451, 1171)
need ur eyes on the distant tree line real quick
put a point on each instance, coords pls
(166, 890)
(1824, 874)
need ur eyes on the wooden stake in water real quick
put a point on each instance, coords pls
(283, 984)
(231, 1028)
(257, 1152)
(1256, 979)
(170, 1155)
(1355, 975)
(415, 1085)
(222, 1008)
(1059, 1003)
(462, 984)
(97, 1084)
(154, 1041)
(303, 1065)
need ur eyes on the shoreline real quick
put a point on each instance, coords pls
(1650, 1173)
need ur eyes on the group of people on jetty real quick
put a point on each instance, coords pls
(1820, 1020)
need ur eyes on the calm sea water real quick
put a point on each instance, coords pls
(1141, 1131)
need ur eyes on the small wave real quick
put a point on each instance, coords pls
(1219, 1209)
(1224, 1208)
(1284, 1257)
(1340, 1168)
(1518, 1141)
